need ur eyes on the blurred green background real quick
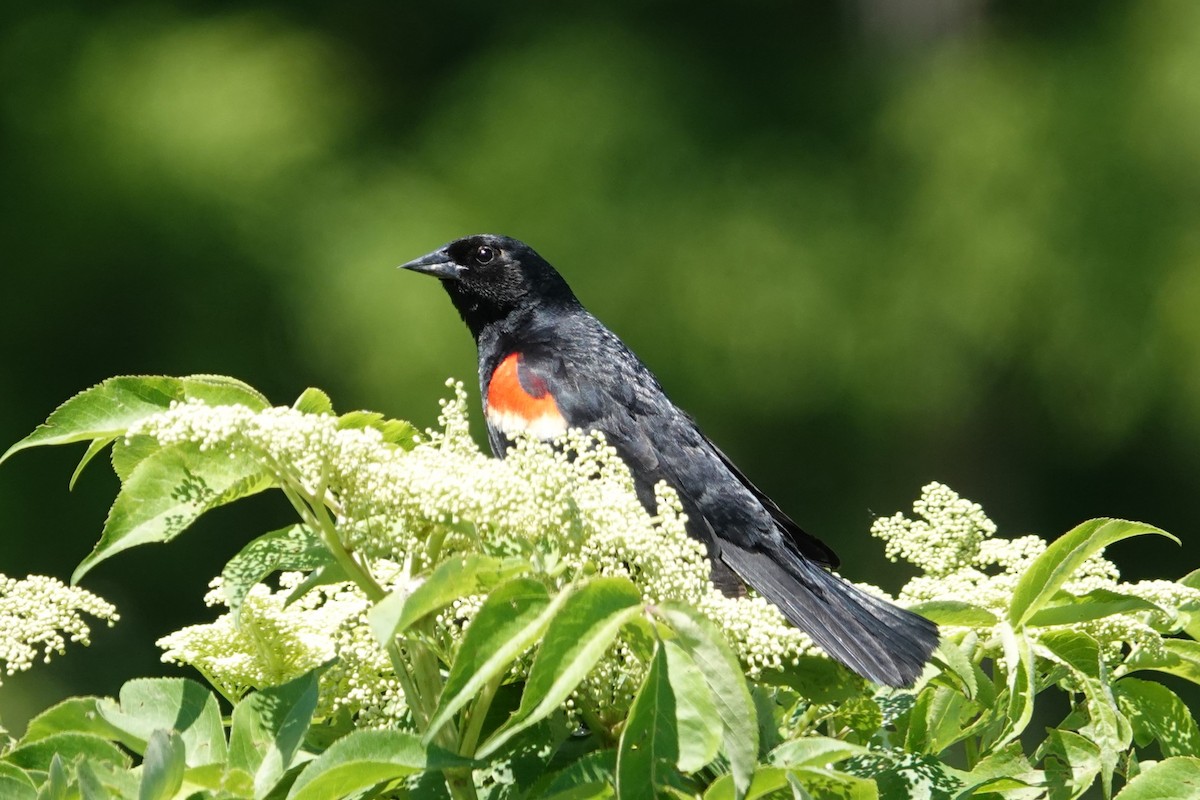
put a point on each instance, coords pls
(867, 244)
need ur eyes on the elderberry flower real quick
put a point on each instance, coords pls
(38, 615)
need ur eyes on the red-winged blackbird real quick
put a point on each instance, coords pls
(546, 365)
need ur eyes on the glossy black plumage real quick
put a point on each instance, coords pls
(514, 302)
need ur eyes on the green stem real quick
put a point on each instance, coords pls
(476, 717)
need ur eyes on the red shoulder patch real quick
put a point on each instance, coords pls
(519, 402)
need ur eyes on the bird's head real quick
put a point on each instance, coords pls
(489, 277)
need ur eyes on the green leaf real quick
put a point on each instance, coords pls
(1020, 680)
(15, 783)
(365, 758)
(1107, 727)
(701, 639)
(818, 679)
(296, 547)
(955, 613)
(91, 787)
(938, 719)
(94, 449)
(129, 451)
(37, 755)
(109, 409)
(150, 704)
(813, 751)
(1172, 779)
(765, 782)
(1067, 609)
(163, 766)
(170, 489)
(454, 578)
(649, 744)
(591, 775)
(1183, 659)
(699, 727)
(76, 715)
(55, 785)
(578, 635)
(957, 667)
(1006, 769)
(395, 431)
(800, 782)
(508, 623)
(268, 728)
(1157, 713)
(107, 780)
(1063, 558)
(1071, 763)
(313, 401)
(820, 782)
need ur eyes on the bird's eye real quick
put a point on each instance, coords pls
(484, 255)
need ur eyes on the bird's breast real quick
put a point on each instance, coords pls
(519, 401)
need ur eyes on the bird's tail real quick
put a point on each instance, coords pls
(876, 639)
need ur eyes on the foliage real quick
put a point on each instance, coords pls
(442, 622)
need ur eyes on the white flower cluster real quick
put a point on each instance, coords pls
(945, 540)
(953, 544)
(38, 615)
(272, 642)
(571, 509)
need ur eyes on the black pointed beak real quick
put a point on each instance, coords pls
(439, 264)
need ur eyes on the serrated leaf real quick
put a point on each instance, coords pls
(395, 431)
(957, 666)
(38, 755)
(118, 781)
(110, 408)
(1157, 713)
(649, 743)
(94, 449)
(701, 639)
(1171, 779)
(91, 787)
(801, 782)
(75, 715)
(1063, 558)
(816, 678)
(150, 704)
(597, 768)
(1071, 763)
(1067, 609)
(696, 717)
(1107, 727)
(221, 390)
(55, 785)
(509, 622)
(938, 719)
(167, 491)
(268, 727)
(579, 633)
(364, 758)
(163, 766)
(454, 578)
(15, 783)
(813, 751)
(129, 451)
(955, 613)
(1005, 769)
(1020, 680)
(296, 547)
(313, 401)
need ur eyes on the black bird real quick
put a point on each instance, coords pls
(546, 365)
